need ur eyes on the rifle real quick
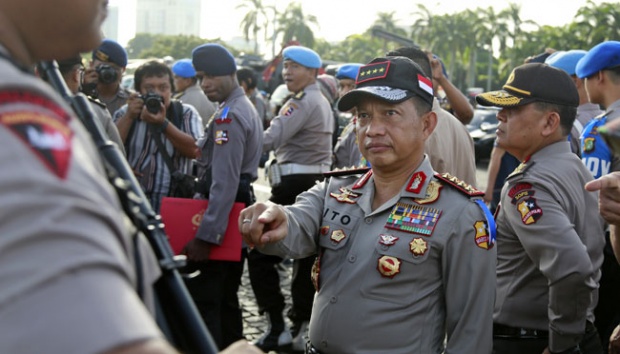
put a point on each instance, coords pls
(177, 315)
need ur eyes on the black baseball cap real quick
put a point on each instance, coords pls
(533, 82)
(392, 79)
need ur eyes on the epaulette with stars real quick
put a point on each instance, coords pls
(347, 171)
(524, 166)
(461, 186)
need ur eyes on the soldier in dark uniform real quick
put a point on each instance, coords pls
(406, 256)
(550, 237)
(227, 165)
(301, 137)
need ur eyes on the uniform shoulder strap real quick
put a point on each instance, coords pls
(459, 185)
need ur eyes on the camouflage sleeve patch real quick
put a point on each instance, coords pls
(42, 125)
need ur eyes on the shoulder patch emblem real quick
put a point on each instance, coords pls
(459, 185)
(483, 237)
(288, 110)
(520, 191)
(221, 137)
(588, 145)
(42, 125)
(530, 211)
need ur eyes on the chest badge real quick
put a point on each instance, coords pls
(413, 219)
(387, 240)
(432, 193)
(345, 195)
(482, 238)
(389, 266)
(418, 246)
(337, 236)
(324, 230)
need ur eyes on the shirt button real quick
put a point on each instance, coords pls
(352, 258)
(333, 300)
(368, 220)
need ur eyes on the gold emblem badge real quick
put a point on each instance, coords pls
(338, 235)
(324, 230)
(418, 246)
(345, 196)
(389, 266)
(432, 193)
(482, 235)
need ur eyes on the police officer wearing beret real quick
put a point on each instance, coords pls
(346, 152)
(102, 78)
(227, 165)
(406, 256)
(550, 237)
(586, 110)
(301, 137)
(600, 71)
(187, 89)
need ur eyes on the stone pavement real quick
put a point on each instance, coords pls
(254, 324)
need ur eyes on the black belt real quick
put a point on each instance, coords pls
(311, 349)
(503, 331)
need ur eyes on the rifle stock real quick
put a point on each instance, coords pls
(181, 321)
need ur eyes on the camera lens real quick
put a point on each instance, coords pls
(107, 74)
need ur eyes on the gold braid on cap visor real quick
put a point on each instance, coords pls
(501, 98)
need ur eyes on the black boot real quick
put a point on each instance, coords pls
(278, 337)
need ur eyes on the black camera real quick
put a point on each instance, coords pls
(153, 102)
(107, 74)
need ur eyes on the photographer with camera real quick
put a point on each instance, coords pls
(102, 79)
(144, 126)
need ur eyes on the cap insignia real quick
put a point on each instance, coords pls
(373, 72)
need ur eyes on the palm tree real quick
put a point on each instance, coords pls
(598, 23)
(294, 25)
(253, 19)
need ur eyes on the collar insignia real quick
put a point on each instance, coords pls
(363, 180)
(416, 182)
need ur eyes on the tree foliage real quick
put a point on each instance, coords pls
(145, 46)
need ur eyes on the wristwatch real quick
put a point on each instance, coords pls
(163, 126)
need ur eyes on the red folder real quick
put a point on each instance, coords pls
(182, 216)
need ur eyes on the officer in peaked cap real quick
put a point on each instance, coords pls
(301, 137)
(550, 237)
(586, 111)
(406, 256)
(600, 71)
(102, 78)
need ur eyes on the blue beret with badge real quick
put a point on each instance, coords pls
(602, 56)
(348, 71)
(111, 52)
(302, 55)
(566, 61)
(214, 60)
(184, 68)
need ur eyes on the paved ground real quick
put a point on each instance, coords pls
(254, 325)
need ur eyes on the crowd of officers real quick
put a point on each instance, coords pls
(394, 248)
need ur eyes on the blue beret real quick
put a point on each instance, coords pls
(348, 71)
(184, 68)
(111, 52)
(566, 61)
(214, 60)
(603, 56)
(302, 55)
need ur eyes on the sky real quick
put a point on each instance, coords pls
(340, 18)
